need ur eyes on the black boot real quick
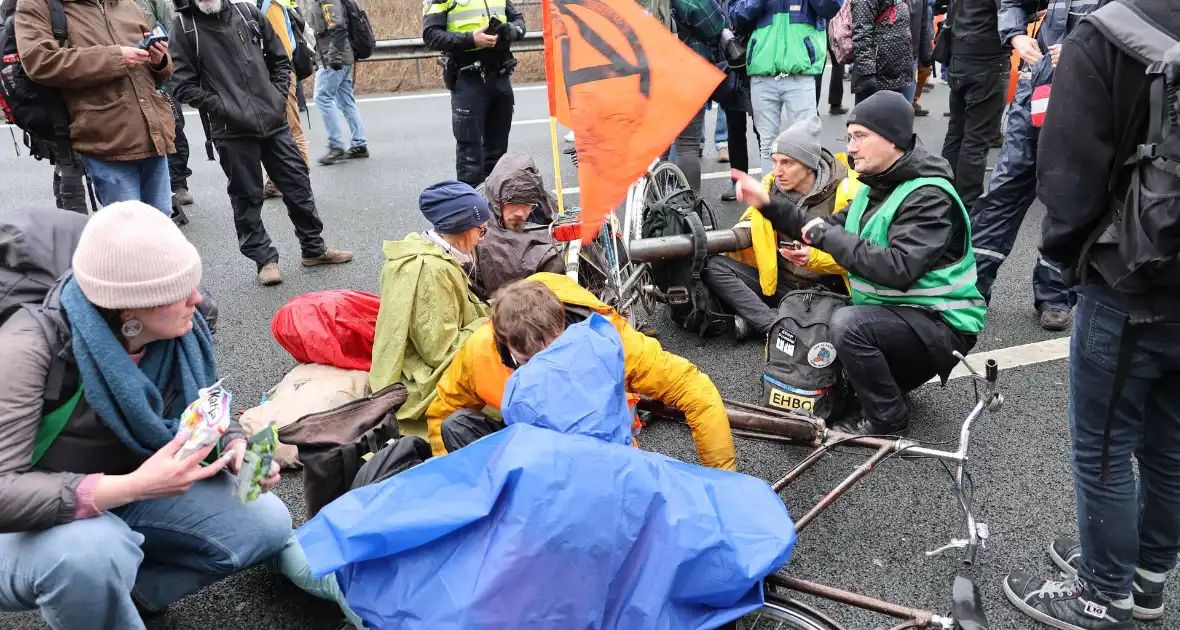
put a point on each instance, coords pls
(860, 424)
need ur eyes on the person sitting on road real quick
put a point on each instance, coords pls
(517, 197)
(905, 242)
(428, 308)
(102, 522)
(526, 317)
(753, 281)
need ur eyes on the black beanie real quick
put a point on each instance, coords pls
(889, 114)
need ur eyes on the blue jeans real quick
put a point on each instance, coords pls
(82, 574)
(332, 88)
(720, 130)
(145, 180)
(912, 89)
(1123, 526)
(771, 97)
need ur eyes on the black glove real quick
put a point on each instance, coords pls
(816, 232)
(868, 84)
(509, 32)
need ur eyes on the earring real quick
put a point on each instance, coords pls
(132, 328)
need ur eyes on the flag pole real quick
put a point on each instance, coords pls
(551, 86)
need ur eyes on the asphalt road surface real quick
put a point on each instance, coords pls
(872, 541)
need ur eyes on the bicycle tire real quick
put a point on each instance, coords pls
(782, 613)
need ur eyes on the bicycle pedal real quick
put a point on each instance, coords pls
(678, 296)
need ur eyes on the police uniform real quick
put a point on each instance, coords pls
(479, 78)
(996, 216)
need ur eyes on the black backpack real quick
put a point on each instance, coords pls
(38, 110)
(1145, 221)
(395, 456)
(691, 304)
(360, 30)
(802, 370)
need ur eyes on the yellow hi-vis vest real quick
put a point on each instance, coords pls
(470, 15)
(763, 256)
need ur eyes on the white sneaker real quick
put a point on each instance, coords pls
(569, 137)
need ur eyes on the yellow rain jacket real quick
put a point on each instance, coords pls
(427, 312)
(477, 378)
(763, 255)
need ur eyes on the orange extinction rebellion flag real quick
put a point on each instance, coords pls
(626, 86)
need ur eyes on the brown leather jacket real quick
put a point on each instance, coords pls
(115, 111)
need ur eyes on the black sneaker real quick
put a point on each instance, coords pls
(920, 111)
(729, 195)
(858, 424)
(1054, 319)
(357, 153)
(333, 156)
(741, 330)
(1069, 605)
(1066, 553)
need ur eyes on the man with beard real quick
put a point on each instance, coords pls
(230, 63)
(518, 201)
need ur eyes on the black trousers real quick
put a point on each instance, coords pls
(883, 357)
(69, 189)
(739, 150)
(178, 170)
(977, 103)
(466, 426)
(242, 160)
(481, 118)
(835, 84)
(738, 287)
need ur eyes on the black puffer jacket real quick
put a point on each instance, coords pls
(882, 44)
(233, 66)
(928, 232)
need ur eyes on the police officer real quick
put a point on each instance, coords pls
(996, 217)
(474, 37)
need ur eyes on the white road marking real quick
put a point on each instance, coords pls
(403, 97)
(714, 175)
(1015, 356)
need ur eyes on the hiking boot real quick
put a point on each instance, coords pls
(723, 155)
(1069, 605)
(358, 153)
(269, 275)
(329, 257)
(1066, 553)
(333, 156)
(270, 191)
(1054, 319)
(858, 424)
(836, 110)
(741, 330)
(182, 197)
(920, 111)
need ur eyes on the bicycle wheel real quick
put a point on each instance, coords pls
(781, 613)
(663, 180)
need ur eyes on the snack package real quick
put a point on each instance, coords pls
(205, 420)
(257, 463)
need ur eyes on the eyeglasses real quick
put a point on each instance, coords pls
(857, 137)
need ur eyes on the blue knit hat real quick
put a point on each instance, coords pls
(453, 207)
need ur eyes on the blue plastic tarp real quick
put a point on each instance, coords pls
(535, 528)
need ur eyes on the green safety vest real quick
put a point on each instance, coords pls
(470, 16)
(950, 291)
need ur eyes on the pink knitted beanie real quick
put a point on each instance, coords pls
(131, 255)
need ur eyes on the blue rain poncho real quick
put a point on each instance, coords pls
(556, 521)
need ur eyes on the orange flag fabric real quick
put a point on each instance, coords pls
(626, 86)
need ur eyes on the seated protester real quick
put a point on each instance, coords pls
(905, 242)
(516, 196)
(753, 281)
(427, 306)
(526, 317)
(105, 510)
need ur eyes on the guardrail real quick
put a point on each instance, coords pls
(415, 48)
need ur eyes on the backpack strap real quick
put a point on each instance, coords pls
(1133, 32)
(57, 21)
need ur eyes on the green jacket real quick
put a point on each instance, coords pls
(699, 24)
(786, 36)
(157, 12)
(427, 312)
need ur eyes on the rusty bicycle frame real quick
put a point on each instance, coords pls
(801, 429)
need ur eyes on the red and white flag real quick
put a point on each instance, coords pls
(1040, 104)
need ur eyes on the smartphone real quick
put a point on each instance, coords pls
(795, 245)
(158, 34)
